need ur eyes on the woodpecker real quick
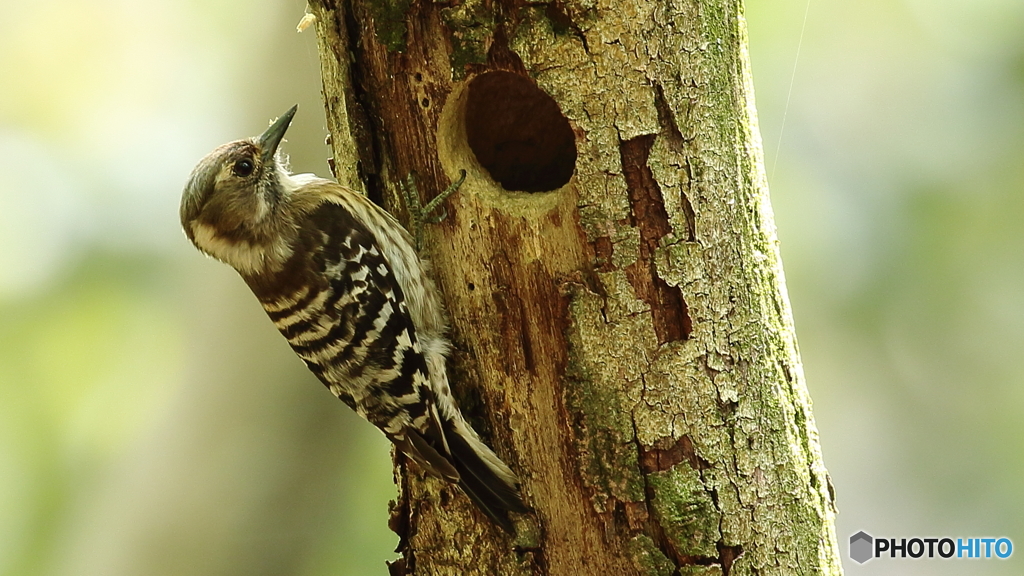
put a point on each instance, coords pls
(342, 281)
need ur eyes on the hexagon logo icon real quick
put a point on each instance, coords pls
(861, 547)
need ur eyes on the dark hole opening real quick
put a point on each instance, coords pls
(518, 133)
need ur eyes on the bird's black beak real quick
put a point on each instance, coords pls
(269, 140)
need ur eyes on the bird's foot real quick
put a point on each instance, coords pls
(420, 214)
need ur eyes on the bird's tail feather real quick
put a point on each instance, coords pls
(483, 476)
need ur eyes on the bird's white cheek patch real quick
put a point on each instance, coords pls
(240, 255)
(262, 208)
(292, 182)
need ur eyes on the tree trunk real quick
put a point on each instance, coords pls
(622, 334)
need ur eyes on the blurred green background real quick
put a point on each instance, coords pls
(899, 198)
(152, 422)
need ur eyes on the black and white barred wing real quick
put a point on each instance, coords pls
(349, 322)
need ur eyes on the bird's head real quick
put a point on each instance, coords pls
(231, 204)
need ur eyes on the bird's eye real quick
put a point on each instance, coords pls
(243, 168)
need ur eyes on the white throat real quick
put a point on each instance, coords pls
(243, 256)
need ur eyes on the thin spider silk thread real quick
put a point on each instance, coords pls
(789, 96)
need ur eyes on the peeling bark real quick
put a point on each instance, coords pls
(623, 336)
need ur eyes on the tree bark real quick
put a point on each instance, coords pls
(622, 333)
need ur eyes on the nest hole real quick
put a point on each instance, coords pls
(518, 133)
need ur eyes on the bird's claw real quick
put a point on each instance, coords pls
(418, 213)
